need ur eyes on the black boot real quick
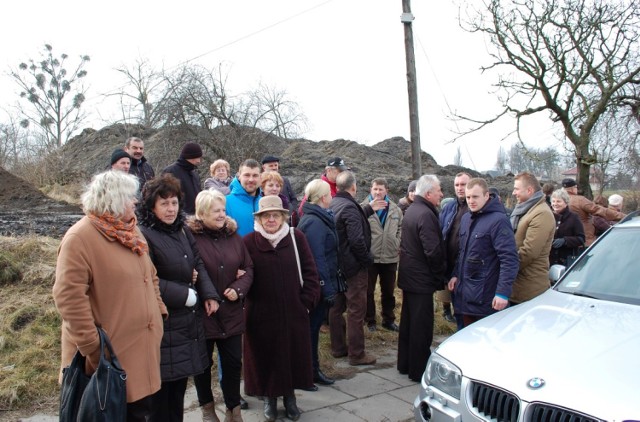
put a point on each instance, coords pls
(322, 379)
(270, 408)
(290, 407)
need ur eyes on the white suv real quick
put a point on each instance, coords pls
(571, 354)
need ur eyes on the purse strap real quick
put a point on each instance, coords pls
(104, 342)
(295, 248)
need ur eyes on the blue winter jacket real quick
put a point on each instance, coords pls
(241, 206)
(488, 260)
(318, 226)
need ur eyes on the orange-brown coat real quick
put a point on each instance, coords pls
(101, 282)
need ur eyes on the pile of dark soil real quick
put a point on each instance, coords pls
(26, 210)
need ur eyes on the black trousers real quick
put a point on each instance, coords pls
(168, 403)
(230, 351)
(416, 334)
(138, 411)
(387, 274)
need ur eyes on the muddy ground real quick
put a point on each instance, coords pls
(25, 210)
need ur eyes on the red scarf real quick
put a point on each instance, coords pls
(124, 232)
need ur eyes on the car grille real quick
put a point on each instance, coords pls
(548, 413)
(494, 403)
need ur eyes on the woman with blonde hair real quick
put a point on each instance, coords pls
(320, 229)
(220, 177)
(104, 277)
(228, 262)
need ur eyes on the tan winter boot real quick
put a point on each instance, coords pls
(233, 415)
(209, 413)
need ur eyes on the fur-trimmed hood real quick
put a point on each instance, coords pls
(197, 226)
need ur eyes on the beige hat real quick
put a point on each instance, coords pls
(270, 203)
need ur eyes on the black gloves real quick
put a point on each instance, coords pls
(558, 243)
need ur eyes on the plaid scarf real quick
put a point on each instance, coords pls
(124, 232)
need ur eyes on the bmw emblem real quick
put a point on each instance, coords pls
(535, 383)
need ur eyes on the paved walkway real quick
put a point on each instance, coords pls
(377, 393)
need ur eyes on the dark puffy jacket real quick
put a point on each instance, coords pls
(488, 260)
(570, 228)
(175, 255)
(142, 170)
(224, 253)
(354, 233)
(189, 179)
(320, 230)
(422, 257)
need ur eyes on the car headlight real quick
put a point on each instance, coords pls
(443, 375)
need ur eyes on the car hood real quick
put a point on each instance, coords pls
(586, 351)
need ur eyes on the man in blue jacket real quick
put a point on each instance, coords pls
(488, 257)
(243, 198)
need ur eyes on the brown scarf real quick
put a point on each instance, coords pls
(124, 232)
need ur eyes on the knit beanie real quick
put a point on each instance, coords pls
(191, 150)
(118, 154)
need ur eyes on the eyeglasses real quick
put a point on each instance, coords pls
(271, 215)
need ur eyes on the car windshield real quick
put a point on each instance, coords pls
(608, 271)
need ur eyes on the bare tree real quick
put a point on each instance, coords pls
(573, 59)
(541, 162)
(501, 161)
(198, 98)
(275, 113)
(55, 96)
(144, 94)
(457, 158)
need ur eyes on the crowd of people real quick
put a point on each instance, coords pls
(173, 272)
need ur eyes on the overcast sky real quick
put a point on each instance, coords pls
(342, 61)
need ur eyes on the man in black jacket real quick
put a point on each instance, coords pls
(421, 271)
(140, 167)
(354, 238)
(185, 169)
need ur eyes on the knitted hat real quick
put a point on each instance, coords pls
(191, 150)
(117, 155)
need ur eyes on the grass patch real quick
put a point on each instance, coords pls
(29, 325)
(69, 193)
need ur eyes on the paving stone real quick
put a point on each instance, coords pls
(365, 384)
(381, 407)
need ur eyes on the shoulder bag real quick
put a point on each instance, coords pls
(105, 398)
(74, 382)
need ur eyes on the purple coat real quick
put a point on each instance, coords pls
(223, 254)
(277, 342)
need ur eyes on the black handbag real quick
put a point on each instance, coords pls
(74, 382)
(105, 398)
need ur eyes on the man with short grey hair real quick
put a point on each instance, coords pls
(354, 258)
(421, 272)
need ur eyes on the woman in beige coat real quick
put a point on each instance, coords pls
(104, 277)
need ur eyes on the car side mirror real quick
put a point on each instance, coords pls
(555, 272)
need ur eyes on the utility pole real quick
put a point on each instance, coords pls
(412, 86)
